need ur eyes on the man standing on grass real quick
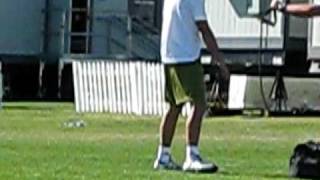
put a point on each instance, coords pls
(180, 53)
(299, 9)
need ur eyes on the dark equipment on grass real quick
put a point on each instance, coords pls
(305, 161)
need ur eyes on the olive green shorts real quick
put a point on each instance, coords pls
(185, 83)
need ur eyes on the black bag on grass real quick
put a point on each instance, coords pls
(305, 161)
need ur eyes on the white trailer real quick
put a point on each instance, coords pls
(238, 30)
(21, 31)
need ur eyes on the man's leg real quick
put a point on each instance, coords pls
(168, 125)
(193, 160)
(167, 129)
(193, 125)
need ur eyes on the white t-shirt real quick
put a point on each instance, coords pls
(180, 39)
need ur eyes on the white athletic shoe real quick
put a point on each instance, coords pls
(196, 164)
(167, 164)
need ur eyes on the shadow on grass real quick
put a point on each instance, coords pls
(28, 108)
(269, 176)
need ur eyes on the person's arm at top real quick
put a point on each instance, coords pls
(306, 10)
(302, 10)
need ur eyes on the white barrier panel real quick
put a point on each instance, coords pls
(125, 87)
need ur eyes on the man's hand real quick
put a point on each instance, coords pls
(278, 5)
(274, 4)
(224, 71)
(225, 74)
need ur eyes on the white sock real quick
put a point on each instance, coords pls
(163, 151)
(191, 149)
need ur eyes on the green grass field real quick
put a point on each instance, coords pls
(34, 144)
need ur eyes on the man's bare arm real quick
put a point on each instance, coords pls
(212, 46)
(210, 40)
